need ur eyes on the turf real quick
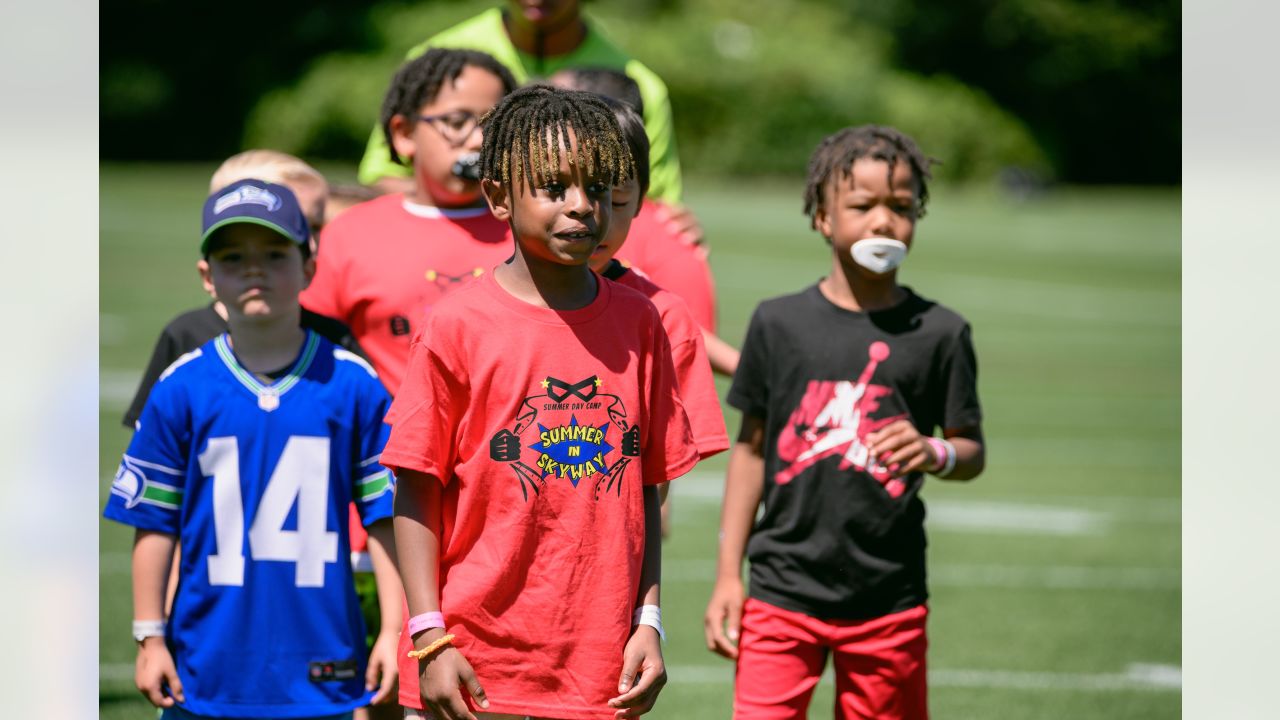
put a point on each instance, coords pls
(1056, 574)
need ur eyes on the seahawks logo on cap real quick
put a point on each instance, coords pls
(247, 195)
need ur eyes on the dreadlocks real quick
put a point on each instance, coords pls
(875, 142)
(523, 135)
(418, 82)
(632, 126)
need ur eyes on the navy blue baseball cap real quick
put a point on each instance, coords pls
(258, 202)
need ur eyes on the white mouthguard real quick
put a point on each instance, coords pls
(879, 255)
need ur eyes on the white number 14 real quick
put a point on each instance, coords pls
(302, 474)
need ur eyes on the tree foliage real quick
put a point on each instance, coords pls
(1084, 90)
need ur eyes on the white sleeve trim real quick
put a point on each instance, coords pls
(344, 354)
(154, 466)
(182, 360)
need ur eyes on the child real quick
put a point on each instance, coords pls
(272, 430)
(693, 373)
(841, 387)
(344, 197)
(539, 415)
(308, 185)
(386, 262)
(193, 328)
(534, 40)
(655, 247)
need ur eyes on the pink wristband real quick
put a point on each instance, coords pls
(425, 621)
(940, 451)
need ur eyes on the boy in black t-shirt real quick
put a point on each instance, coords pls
(841, 387)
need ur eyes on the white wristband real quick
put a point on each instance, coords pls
(143, 629)
(650, 615)
(946, 453)
(950, 463)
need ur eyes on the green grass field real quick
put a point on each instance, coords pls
(1055, 576)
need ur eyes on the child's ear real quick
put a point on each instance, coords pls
(402, 136)
(308, 271)
(206, 279)
(822, 223)
(499, 200)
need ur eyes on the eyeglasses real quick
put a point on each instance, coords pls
(455, 127)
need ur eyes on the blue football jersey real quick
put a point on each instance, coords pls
(255, 480)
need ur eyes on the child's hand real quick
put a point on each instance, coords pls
(901, 448)
(155, 669)
(383, 671)
(680, 221)
(643, 658)
(444, 674)
(723, 620)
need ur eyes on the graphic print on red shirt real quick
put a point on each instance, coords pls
(572, 450)
(833, 419)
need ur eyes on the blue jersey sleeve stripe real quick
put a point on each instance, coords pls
(369, 461)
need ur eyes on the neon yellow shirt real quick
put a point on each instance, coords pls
(485, 32)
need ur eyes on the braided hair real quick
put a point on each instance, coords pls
(632, 126)
(524, 133)
(418, 82)
(842, 149)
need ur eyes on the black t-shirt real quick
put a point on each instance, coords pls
(194, 328)
(838, 539)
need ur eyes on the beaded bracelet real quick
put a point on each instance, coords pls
(430, 649)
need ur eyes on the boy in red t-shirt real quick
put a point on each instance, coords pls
(688, 353)
(385, 262)
(538, 417)
(660, 243)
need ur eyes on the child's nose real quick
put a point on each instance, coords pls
(882, 222)
(255, 265)
(577, 204)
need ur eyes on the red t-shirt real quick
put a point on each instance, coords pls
(543, 426)
(671, 263)
(689, 356)
(384, 263)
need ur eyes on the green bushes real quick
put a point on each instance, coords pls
(754, 86)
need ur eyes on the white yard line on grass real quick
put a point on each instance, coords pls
(1138, 676)
(996, 576)
(1055, 576)
(1060, 516)
(994, 293)
(1064, 577)
(116, 388)
(111, 329)
(1018, 518)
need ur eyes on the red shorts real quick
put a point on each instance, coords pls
(879, 664)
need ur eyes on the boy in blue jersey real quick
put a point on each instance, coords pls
(249, 450)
